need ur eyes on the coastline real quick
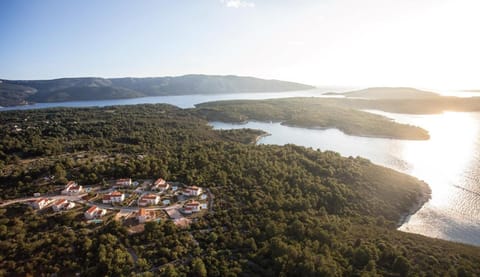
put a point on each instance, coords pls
(353, 134)
(422, 199)
(260, 137)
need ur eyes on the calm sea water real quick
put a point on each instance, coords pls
(182, 101)
(449, 162)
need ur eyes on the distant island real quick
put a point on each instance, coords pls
(23, 92)
(388, 93)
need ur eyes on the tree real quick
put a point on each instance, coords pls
(198, 268)
(401, 265)
(59, 172)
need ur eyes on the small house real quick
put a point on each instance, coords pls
(126, 182)
(192, 191)
(94, 212)
(41, 203)
(62, 204)
(72, 188)
(144, 215)
(160, 185)
(113, 197)
(149, 199)
(192, 207)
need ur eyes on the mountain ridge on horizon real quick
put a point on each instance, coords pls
(23, 92)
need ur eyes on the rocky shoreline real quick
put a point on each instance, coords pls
(422, 199)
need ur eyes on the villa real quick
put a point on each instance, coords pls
(72, 188)
(62, 204)
(149, 199)
(192, 191)
(160, 185)
(192, 207)
(145, 215)
(113, 197)
(94, 212)
(41, 203)
(123, 182)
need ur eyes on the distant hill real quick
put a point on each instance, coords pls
(389, 93)
(20, 92)
(11, 94)
(204, 84)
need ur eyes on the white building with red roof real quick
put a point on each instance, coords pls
(62, 204)
(148, 200)
(94, 212)
(123, 182)
(113, 197)
(40, 203)
(192, 191)
(160, 185)
(72, 188)
(192, 207)
(145, 215)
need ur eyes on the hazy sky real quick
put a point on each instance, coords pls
(423, 43)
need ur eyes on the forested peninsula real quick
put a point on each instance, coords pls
(311, 113)
(278, 210)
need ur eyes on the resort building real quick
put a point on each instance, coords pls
(160, 185)
(62, 204)
(123, 182)
(192, 191)
(113, 197)
(72, 188)
(192, 207)
(145, 215)
(41, 203)
(149, 199)
(94, 212)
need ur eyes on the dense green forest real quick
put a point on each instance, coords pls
(278, 211)
(311, 113)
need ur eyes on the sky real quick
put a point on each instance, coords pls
(420, 43)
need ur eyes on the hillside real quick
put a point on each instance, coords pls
(205, 84)
(389, 93)
(11, 94)
(278, 210)
(18, 92)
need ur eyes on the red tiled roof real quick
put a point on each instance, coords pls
(142, 212)
(92, 209)
(159, 181)
(40, 200)
(60, 201)
(150, 197)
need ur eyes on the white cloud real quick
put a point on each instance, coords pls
(238, 3)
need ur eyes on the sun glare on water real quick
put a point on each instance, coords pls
(444, 162)
(442, 159)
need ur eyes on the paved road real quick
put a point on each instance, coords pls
(77, 198)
